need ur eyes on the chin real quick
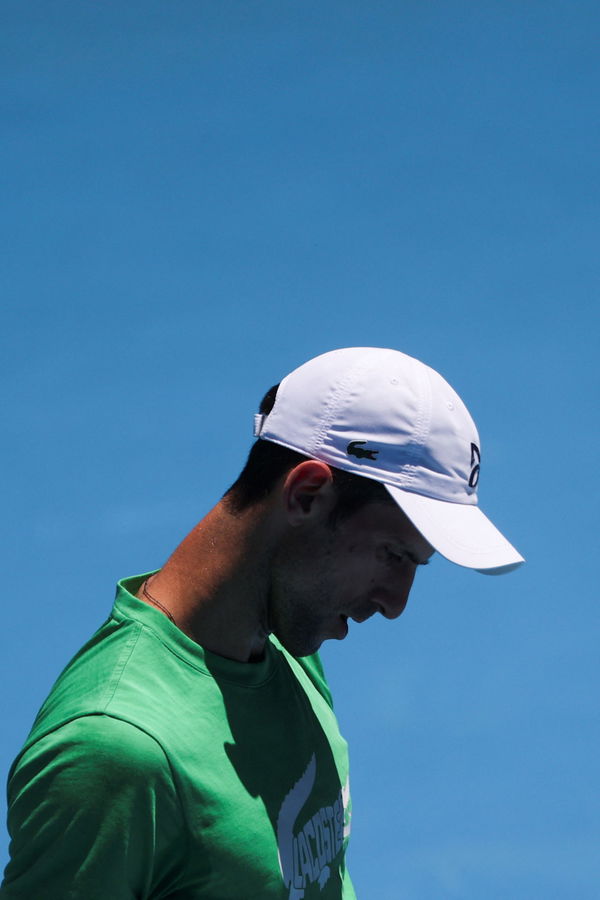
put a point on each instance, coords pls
(299, 646)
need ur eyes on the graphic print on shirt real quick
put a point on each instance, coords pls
(306, 851)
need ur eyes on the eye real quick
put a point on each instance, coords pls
(393, 556)
(403, 556)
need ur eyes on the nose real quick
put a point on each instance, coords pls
(392, 601)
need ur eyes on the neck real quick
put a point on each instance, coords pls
(216, 583)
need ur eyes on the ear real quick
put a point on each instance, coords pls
(308, 492)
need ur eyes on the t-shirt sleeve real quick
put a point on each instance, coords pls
(93, 814)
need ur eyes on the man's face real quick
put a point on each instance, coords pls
(326, 575)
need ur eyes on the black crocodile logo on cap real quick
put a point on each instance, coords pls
(357, 449)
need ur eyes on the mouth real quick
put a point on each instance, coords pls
(359, 618)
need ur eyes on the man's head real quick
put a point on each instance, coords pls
(371, 462)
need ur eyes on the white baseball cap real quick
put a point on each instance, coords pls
(386, 416)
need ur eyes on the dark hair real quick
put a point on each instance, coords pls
(268, 462)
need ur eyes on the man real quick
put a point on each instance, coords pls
(190, 749)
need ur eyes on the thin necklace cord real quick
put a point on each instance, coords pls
(156, 602)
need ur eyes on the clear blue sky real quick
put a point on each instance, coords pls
(199, 196)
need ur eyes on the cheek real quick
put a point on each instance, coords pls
(360, 568)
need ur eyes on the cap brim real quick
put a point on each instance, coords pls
(460, 532)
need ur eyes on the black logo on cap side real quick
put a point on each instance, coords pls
(357, 449)
(475, 465)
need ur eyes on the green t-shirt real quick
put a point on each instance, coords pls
(156, 769)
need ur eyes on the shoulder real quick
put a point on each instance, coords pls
(96, 790)
(97, 751)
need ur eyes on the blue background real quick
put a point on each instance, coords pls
(200, 196)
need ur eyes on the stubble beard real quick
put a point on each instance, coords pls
(296, 603)
(296, 624)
